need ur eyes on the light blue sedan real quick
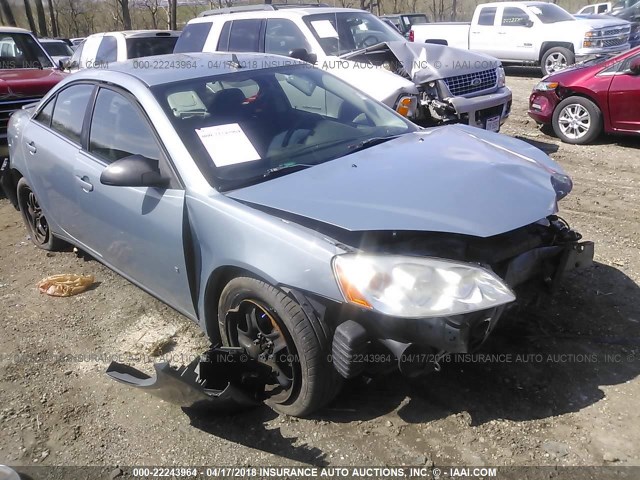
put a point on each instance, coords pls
(289, 214)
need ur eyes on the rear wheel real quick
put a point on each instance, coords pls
(556, 59)
(276, 331)
(35, 220)
(577, 120)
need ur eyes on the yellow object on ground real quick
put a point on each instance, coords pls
(65, 285)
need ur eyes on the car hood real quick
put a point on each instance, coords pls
(28, 82)
(454, 179)
(603, 21)
(425, 62)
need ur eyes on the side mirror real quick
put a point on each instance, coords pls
(528, 23)
(302, 54)
(634, 67)
(133, 171)
(63, 63)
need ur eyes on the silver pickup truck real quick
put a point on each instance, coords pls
(430, 84)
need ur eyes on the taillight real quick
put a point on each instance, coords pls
(411, 35)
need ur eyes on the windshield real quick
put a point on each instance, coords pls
(550, 13)
(21, 50)
(241, 128)
(57, 49)
(149, 46)
(344, 32)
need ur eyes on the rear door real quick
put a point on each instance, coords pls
(624, 98)
(136, 230)
(52, 147)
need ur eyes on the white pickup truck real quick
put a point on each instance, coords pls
(529, 33)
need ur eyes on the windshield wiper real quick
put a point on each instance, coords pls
(370, 142)
(281, 168)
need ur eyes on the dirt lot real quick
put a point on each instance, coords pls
(566, 394)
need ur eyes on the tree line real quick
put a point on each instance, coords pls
(78, 18)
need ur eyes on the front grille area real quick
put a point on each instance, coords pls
(472, 82)
(614, 42)
(617, 31)
(7, 107)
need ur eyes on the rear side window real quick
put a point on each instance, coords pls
(244, 36)
(44, 117)
(68, 113)
(487, 16)
(193, 38)
(108, 50)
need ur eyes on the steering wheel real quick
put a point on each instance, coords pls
(369, 41)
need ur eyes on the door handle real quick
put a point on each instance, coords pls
(85, 184)
(502, 33)
(31, 146)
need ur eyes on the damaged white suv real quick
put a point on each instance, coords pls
(430, 84)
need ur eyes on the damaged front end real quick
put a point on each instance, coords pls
(530, 261)
(455, 86)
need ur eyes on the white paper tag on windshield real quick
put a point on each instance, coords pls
(227, 144)
(324, 29)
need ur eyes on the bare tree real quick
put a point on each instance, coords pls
(126, 15)
(42, 19)
(54, 20)
(152, 6)
(173, 8)
(27, 10)
(7, 13)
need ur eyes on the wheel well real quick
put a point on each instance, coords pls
(215, 284)
(571, 93)
(10, 185)
(546, 46)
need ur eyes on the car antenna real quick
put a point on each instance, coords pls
(234, 61)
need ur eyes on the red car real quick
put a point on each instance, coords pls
(581, 102)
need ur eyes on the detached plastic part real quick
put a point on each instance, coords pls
(222, 379)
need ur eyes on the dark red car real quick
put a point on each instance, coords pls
(599, 95)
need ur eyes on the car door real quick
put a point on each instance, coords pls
(52, 146)
(516, 40)
(483, 35)
(624, 98)
(89, 51)
(138, 231)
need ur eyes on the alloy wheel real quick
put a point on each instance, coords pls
(574, 121)
(257, 329)
(36, 219)
(555, 62)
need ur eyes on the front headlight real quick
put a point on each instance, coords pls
(546, 86)
(414, 287)
(502, 78)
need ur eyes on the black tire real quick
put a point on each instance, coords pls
(578, 133)
(35, 220)
(556, 59)
(314, 381)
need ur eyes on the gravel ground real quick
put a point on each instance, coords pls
(563, 396)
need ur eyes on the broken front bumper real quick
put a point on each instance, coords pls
(222, 378)
(476, 111)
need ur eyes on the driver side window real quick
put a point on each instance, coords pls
(283, 36)
(514, 17)
(118, 129)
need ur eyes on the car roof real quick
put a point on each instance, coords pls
(175, 67)
(13, 30)
(140, 33)
(284, 12)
